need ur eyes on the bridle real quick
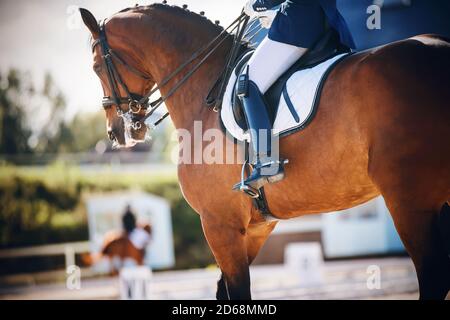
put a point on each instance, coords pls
(137, 103)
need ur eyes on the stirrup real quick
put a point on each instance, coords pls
(241, 186)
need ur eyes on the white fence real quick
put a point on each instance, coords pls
(69, 250)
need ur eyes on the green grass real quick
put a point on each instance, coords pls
(59, 175)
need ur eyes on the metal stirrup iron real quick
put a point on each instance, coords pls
(251, 192)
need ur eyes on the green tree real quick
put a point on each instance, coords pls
(29, 118)
(79, 135)
(14, 132)
(50, 110)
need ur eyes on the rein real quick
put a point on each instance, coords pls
(136, 103)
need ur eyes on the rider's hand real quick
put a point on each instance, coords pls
(265, 16)
(249, 8)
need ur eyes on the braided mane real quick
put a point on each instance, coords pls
(182, 12)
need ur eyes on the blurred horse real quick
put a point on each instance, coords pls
(382, 127)
(119, 250)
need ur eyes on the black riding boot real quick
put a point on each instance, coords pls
(265, 168)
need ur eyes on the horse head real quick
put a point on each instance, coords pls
(118, 65)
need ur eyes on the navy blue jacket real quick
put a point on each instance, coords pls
(302, 22)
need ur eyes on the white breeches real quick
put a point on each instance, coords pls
(270, 60)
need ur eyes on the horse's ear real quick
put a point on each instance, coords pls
(90, 22)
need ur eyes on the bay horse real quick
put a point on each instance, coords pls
(382, 128)
(117, 250)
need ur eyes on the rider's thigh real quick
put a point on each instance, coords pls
(270, 60)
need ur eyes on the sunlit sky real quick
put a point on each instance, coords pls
(48, 35)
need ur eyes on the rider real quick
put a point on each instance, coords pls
(128, 220)
(139, 237)
(298, 24)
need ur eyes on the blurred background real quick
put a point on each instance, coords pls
(64, 191)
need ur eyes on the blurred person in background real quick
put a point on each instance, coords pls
(139, 236)
(126, 248)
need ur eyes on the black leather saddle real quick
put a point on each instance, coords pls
(326, 48)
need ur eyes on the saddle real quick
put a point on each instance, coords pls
(326, 48)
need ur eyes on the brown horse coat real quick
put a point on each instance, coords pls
(382, 127)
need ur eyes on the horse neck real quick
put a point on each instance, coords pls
(178, 39)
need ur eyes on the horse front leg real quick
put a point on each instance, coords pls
(257, 234)
(228, 245)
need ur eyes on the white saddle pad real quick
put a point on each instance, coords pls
(301, 88)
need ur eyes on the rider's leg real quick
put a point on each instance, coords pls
(270, 60)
